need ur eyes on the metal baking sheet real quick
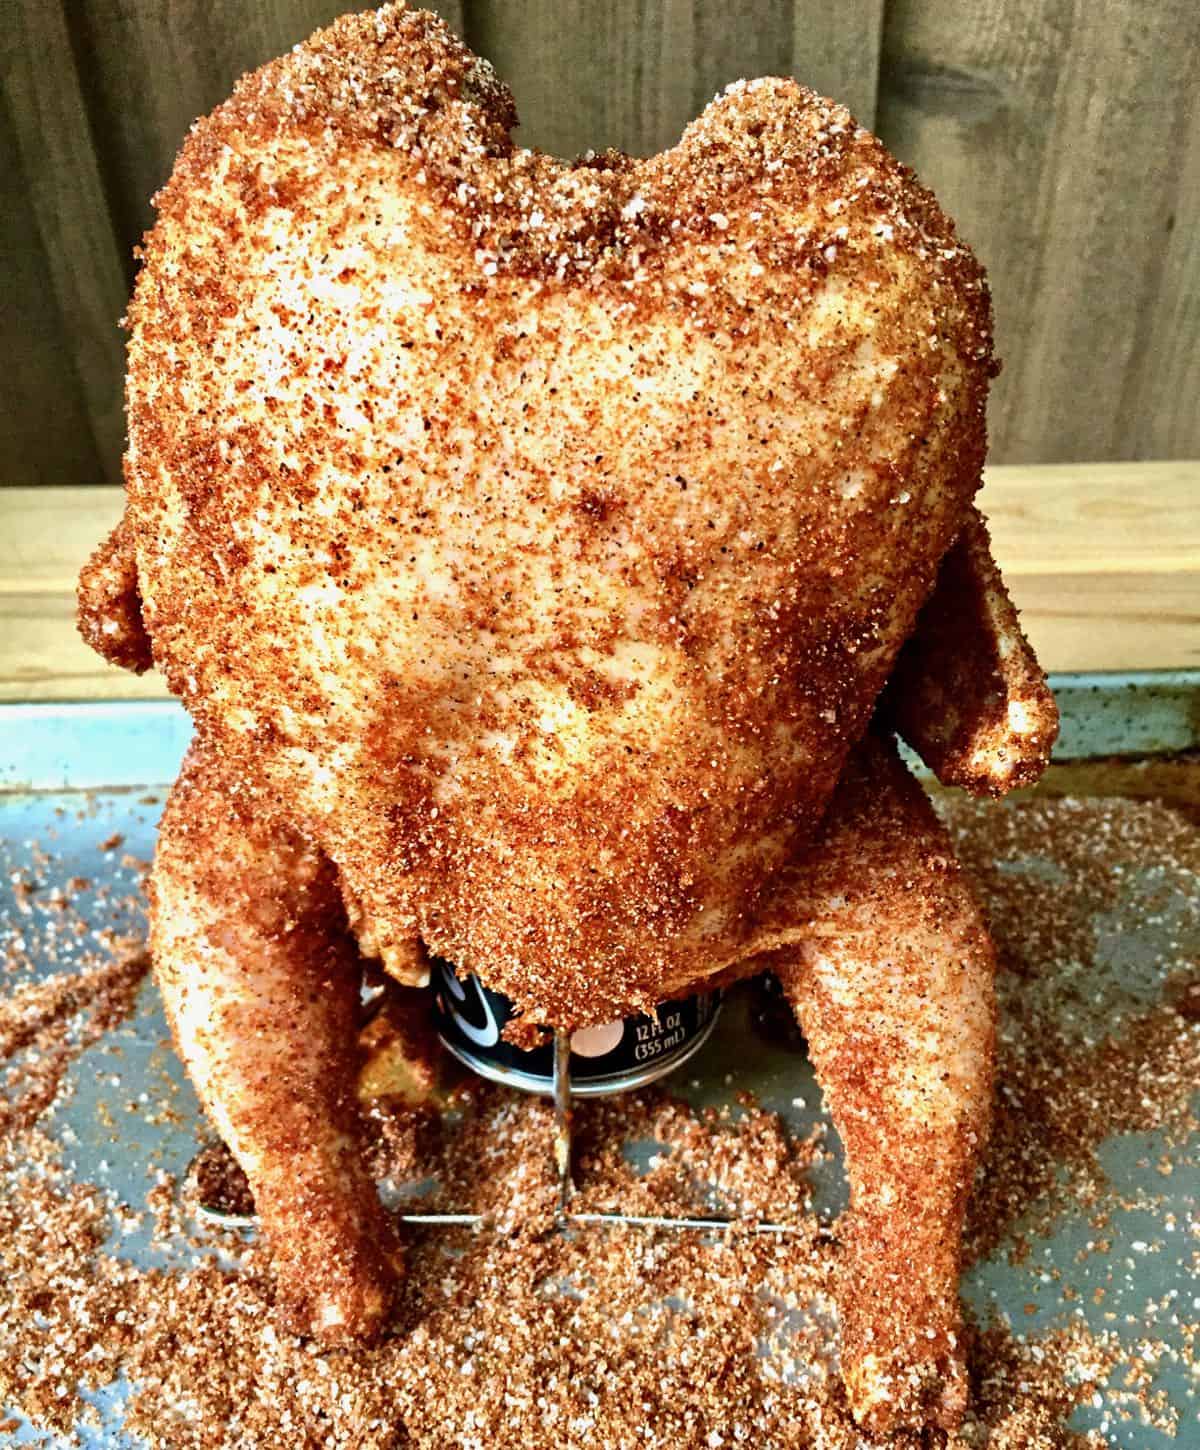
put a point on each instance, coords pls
(73, 777)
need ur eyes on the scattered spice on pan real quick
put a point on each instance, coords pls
(521, 1335)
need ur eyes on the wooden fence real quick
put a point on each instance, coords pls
(1063, 134)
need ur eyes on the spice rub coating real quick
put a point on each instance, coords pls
(890, 971)
(540, 535)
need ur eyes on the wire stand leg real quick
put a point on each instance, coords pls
(562, 1121)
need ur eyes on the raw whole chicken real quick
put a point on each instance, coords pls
(531, 544)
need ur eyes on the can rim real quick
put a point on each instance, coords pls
(595, 1087)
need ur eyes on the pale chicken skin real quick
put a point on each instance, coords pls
(531, 544)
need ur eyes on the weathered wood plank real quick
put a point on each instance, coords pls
(742, 39)
(1063, 137)
(836, 50)
(592, 73)
(633, 73)
(45, 435)
(1096, 592)
(153, 66)
(1061, 133)
(1162, 397)
(58, 199)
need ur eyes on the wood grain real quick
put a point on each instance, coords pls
(43, 658)
(1103, 561)
(837, 49)
(45, 434)
(588, 74)
(1161, 403)
(56, 214)
(46, 535)
(1063, 136)
(633, 73)
(1096, 518)
(1111, 620)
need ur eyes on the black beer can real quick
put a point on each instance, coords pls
(610, 1058)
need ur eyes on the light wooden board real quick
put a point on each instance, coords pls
(1095, 518)
(1112, 620)
(1103, 560)
(43, 658)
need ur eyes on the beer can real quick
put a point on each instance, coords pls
(610, 1058)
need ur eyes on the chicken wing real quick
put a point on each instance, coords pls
(110, 609)
(967, 692)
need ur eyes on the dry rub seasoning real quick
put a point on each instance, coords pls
(523, 1337)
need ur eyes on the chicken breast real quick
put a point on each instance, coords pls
(541, 535)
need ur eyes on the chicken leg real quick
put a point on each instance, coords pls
(891, 976)
(260, 981)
